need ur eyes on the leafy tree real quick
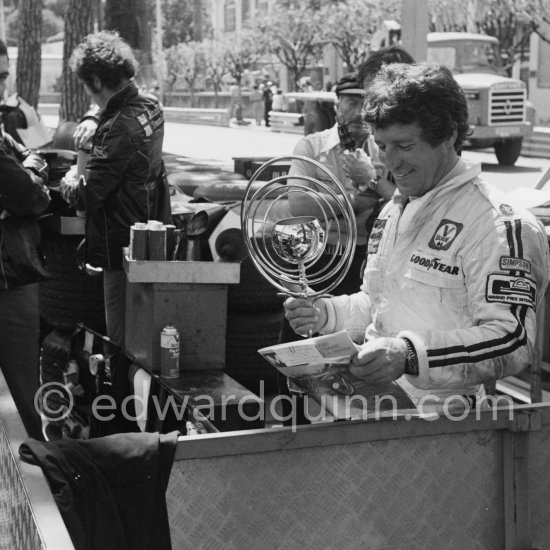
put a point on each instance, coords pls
(507, 20)
(184, 20)
(348, 26)
(241, 53)
(185, 61)
(58, 7)
(79, 22)
(29, 51)
(448, 16)
(51, 23)
(539, 14)
(215, 64)
(293, 33)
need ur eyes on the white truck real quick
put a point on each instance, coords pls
(499, 112)
(500, 115)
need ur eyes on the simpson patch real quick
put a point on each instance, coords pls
(375, 236)
(445, 235)
(511, 290)
(515, 264)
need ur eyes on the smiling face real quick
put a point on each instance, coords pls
(416, 165)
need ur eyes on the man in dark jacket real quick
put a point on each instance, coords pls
(23, 196)
(124, 180)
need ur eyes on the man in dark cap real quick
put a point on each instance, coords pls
(349, 136)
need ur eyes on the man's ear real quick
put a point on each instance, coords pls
(95, 84)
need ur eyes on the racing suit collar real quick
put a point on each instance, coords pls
(461, 173)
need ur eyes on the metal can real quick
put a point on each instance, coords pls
(169, 352)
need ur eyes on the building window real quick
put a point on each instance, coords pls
(230, 19)
(262, 7)
(246, 10)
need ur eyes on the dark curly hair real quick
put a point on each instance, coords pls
(384, 56)
(106, 56)
(426, 94)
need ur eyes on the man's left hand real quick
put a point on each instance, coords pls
(381, 360)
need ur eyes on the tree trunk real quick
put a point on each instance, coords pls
(197, 20)
(29, 51)
(79, 22)
(132, 19)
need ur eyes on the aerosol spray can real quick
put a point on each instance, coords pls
(169, 352)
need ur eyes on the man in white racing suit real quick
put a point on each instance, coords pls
(454, 273)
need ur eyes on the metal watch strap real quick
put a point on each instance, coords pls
(373, 183)
(411, 361)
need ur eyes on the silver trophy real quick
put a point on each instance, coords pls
(286, 250)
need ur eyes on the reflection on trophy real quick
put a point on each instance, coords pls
(298, 240)
(286, 249)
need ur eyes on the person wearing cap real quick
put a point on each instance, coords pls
(327, 148)
(357, 167)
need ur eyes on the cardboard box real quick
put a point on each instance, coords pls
(192, 296)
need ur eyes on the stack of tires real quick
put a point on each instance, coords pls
(254, 319)
(70, 296)
(254, 311)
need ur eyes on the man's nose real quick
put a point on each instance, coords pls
(391, 158)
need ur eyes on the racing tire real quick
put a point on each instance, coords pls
(246, 333)
(508, 151)
(253, 293)
(70, 296)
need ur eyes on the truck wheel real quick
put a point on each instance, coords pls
(508, 151)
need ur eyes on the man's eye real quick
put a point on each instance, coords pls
(406, 147)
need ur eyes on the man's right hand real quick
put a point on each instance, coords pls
(305, 315)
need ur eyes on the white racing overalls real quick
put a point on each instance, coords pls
(459, 272)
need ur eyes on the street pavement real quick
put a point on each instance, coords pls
(219, 144)
(216, 146)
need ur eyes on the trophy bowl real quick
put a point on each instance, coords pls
(298, 240)
(286, 248)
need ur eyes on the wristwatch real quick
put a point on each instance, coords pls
(411, 361)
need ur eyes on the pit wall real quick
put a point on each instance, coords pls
(404, 484)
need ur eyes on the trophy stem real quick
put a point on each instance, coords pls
(302, 280)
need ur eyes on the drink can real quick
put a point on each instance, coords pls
(169, 352)
(139, 237)
(157, 242)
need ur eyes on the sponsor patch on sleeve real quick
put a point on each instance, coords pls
(511, 290)
(515, 264)
(375, 236)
